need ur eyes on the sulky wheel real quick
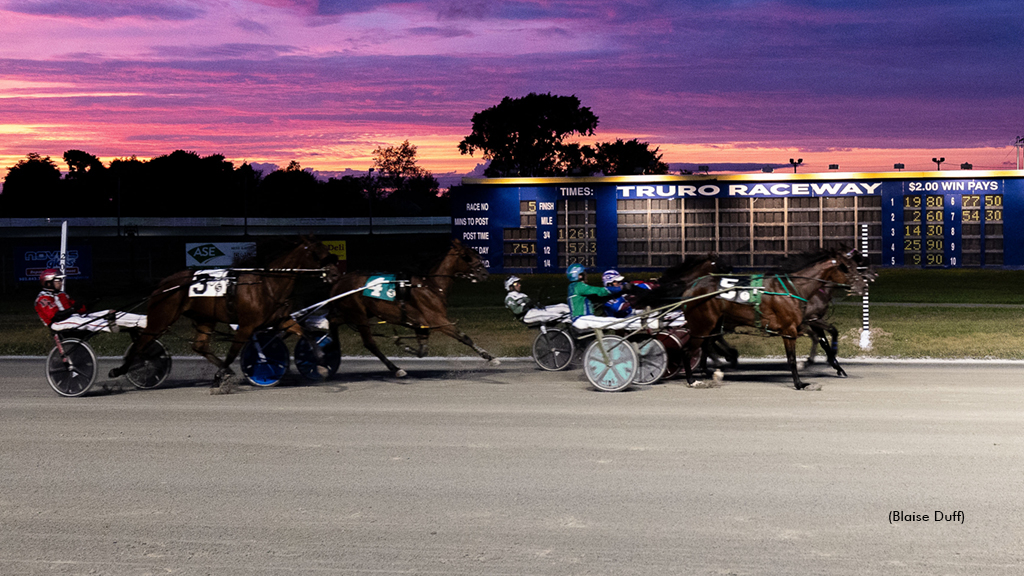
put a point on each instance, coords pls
(305, 359)
(265, 359)
(674, 340)
(653, 361)
(553, 349)
(610, 363)
(73, 373)
(151, 366)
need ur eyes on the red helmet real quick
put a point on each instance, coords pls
(46, 277)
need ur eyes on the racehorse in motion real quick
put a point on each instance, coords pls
(258, 298)
(816, 324)
(419, 303)
(776, 307)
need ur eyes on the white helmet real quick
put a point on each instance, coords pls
(510, 281)
(611, 276)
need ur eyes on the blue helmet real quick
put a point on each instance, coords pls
(574, 272)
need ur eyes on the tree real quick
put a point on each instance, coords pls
(621, 158)
(525, 136)
(31, 187)
(85, 187)
(407, 189)
(291, 192)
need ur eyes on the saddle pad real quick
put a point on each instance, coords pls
(553, 313)
(386, 291)
(741, 293)
(210, 284)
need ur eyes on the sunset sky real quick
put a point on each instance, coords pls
(858, 83)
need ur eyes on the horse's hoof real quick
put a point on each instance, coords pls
(800, 366)
(718, 376)
(401, 373)
(494, 362)
(114, 373)
(841, 373)
(809, 387)
(697, 384)
(323, 372)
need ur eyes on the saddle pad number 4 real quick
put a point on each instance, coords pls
(382, 291)
(736, 292)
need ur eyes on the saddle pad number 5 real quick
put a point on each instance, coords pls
(383, 291)
(736, 293)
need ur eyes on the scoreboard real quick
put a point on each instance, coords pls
(948, 219)
(953, 223)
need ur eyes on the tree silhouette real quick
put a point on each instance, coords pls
(622, 158)
(291, 192)
(31, 188)
(525, 136)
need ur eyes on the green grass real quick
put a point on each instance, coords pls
(899, 332)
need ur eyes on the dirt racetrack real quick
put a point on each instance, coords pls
(466, 469)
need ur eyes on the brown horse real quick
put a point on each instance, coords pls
(259, 298)
(783, 298)
(421, 303)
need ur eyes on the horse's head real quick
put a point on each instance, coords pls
(845, 271)
(312, 253)
(468, 264)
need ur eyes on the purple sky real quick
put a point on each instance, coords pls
(859, 83)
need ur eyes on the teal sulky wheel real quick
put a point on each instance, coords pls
(653, 361)
(610, 363)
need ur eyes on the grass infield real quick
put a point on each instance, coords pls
(914, 314)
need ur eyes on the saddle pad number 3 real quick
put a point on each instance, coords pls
(383, 291)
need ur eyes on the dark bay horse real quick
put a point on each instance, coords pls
(420, 303)
(259, 299)
(816, 324)
(783, 299)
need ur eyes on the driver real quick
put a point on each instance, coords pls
(60, 312)
(580, 293)
(517, 302)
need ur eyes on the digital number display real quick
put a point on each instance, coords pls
(934, 231)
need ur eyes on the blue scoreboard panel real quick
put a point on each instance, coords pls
(946, 219)
(952, 223)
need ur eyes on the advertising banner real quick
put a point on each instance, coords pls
(217, 254)
(30, 261)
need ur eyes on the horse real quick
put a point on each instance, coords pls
(780, 310)
(818, 328)
(421, 303)
(259, 298)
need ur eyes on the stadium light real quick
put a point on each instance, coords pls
(796, 163)
(899, 166)
(967, 166)
(833, 166)
(767, 169)
(938, 162)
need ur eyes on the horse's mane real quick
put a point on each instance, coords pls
(803, 260)
(684, 268)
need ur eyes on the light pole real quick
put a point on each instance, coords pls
(938, 162)
(796, 163)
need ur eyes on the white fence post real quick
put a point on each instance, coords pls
(865, 329)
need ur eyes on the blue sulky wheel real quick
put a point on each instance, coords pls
(305, 360)
(611, 363)
(265, 358)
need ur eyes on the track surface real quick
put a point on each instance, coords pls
(466, 469)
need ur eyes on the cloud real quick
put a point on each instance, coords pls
(109, 9)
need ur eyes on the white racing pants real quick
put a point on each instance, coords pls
(98, 321)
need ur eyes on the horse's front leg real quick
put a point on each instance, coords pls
(461, 336)
(370, 344)
(201, 346)
(790, 342)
